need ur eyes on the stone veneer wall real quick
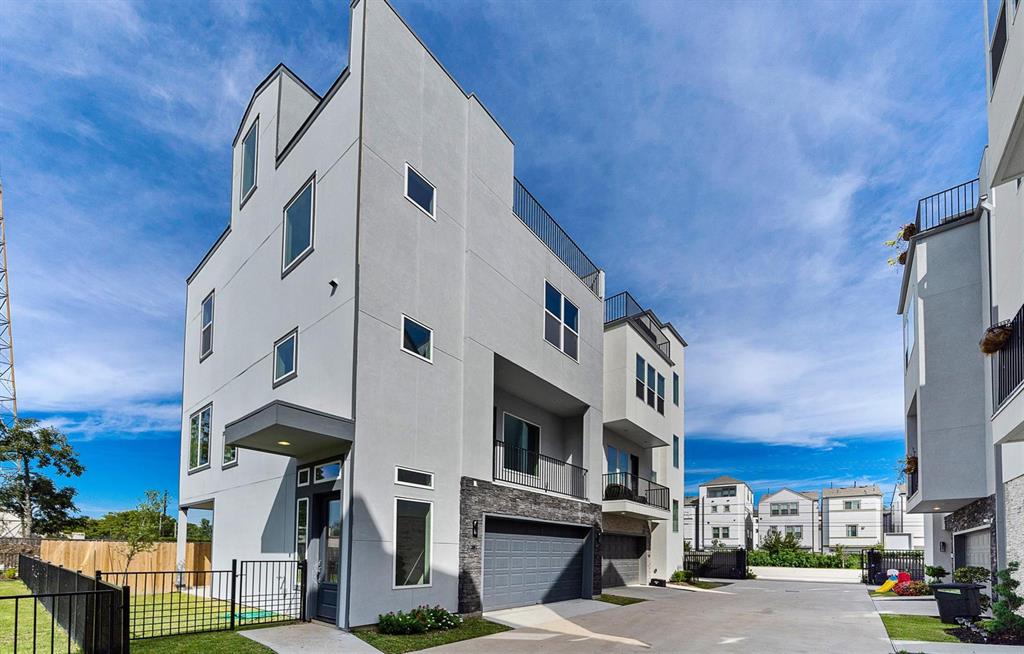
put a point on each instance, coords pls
(479, 497)
(974, 515)
(1014, 523)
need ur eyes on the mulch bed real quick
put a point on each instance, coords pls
(966, 635)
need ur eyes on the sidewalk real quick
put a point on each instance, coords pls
(308, 638)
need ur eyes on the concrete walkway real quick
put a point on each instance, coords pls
(919, 647)
(907, 605)
(308, 637)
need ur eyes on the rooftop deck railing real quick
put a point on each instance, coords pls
(1008, 361)
(540, 222)
(624, 305)
(947, 206)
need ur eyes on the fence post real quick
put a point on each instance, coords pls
(302, 590)
(234, 583)
(126, 617)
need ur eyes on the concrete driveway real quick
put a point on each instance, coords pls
(746, 616)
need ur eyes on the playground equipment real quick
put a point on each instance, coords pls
(895, 577)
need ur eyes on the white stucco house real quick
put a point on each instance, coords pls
(851, 517)
(791, 512)
(725, 514)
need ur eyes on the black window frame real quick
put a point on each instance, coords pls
(203, 325)
(430, 342)
(433, 194)
(294, 372)
(253, 132)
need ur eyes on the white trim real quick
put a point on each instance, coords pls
(298, 501)
(211, 297)
(401, 339)
(409, 483)
(540, 434)
(298, 258)
(433, 203)
(314, 480)
(394, 543)
(254, 128)
(561, 322)
(967, 531)
(298, 477)
(294, 372)
(199, 465)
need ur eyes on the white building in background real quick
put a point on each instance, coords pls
(791, 512)
(902, 530)
(851, 517)
(725, 514)
(690, 503)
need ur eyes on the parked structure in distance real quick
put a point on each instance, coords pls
(851, 517)
(902, 530)
(724, 514)
(791, 512)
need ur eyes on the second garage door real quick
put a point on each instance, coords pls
(531, 563)
(622, 559)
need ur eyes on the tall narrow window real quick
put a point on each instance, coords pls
(661, 395)
(417, 339)
(675, 388)
(199, 438)
(522, 445)
(851, 531)
(675, 516)
(249, 161)
(675, 451)
(650, 385)
(206, 328)
(298, 226)
(301, 527)
(286, 357)
(412, 543)
(561, 322)
(641, 367)
(419, 191)
(725, 532)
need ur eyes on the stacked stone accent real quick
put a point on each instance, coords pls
(1014, 498)
(980, 513)
(479, 497)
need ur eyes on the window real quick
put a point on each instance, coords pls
(561, 322)
(851, 505)
(419, 191)
(641, 367)
(522, 445)
(298, 227)
(230, 456)
(675, 516)
(726, 508)
(675, 388)
(301, 527)
(851, 531)
(909, 327)
(661, 395)
(327, 472)
(715, 532)
(796, 530)
(725, 532)
(675, 451)
(412, 543)
(249, 162)
(722, 491)
(998, 48)
(714, 508)
(206, 328)
(650, 385)
(302, 477)
(199, 439)
(286, 355)
(785, 508)
(410, 477)
(417, 339)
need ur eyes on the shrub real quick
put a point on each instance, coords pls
(801, 559)
(10, 574)
(972, 574)
(417, 621)
(912, 588)
(1005, 619)
(935, 573)
(681, 575)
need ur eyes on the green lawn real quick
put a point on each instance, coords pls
(176, 613)
(707, 585)
(918, 627)
(471, 628)
(225, 642)
(26, 610)
(620, 600)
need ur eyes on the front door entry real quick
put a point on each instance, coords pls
(330, 557)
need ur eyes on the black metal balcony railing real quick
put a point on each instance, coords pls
(912, 483)
(540, 222)
(626, 486)
(946, 206)
(624, 305)
(535, 470)
(1008, 362)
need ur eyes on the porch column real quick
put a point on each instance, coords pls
(593, 452)
(182, 536)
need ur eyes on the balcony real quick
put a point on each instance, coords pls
(633, 496)
(947, 206)
(1008, 362)
(540, 222)
(624, 306)
(529, 468)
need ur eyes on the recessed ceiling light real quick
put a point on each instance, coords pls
(936, 508)
(283, 443)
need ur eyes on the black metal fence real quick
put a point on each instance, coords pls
(1008, 362)
(875, 564)
(717, 564)
(67, 611)
(626, 486)
(168, 603)
(946, 206)
(531, 468)
(540, 222)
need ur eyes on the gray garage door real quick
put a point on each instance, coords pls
(622, 558)
(531, 563)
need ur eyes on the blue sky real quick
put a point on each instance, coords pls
(734, 165)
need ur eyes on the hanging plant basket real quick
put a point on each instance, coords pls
(910, 467)
(908, 231)
(996, 337)
(902, 259)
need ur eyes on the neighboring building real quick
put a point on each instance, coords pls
(851, 517)
(900, 527)
(690, 504)
(10, 526)
(964, 273)
(400, 369)
(790, 512)
(725, 514)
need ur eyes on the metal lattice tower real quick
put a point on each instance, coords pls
(8, 397)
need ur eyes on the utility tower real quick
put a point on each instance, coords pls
(8, 397)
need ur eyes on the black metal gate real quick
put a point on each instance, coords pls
(270, 591)
(717, 564)
(875, 564)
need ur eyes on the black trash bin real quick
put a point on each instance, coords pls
(958, 601)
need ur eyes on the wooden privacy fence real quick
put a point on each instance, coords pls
(91, 555)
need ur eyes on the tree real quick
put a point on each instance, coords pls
(774, 542)
(53, 509)
(1005, 616)
(30, 493)
(202, 532)
(139, 530)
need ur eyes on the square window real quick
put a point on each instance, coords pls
(521, 445)
(199, 438)
(249, 161)
(327, 472)
(417, 339)
(419, 191)
(302, 477)
(206, 328)
(851, 531)
(413, 525)
(410, 477)
(298, 226)
(286, 356)
(561, 322)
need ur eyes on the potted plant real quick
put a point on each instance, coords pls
(996, 337)
(910, 466)
(908, 231)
